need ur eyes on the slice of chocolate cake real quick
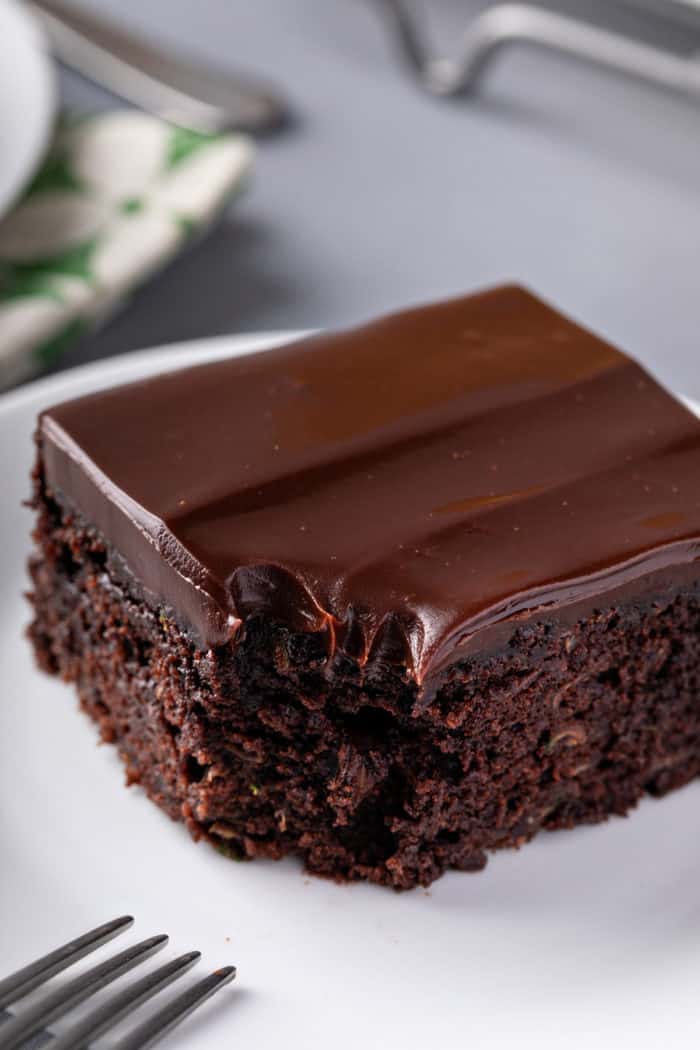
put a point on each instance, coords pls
(386, 599)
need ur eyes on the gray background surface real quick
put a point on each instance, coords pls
(580, 184)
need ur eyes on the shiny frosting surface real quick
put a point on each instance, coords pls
(399, 486)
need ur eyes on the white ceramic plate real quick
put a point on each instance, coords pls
(583, 939)
(27, 100)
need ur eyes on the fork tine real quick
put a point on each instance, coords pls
(162, 1022)
(30, 977)
(111, 1012)
(14, 1033)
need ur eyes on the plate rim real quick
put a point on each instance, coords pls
(173, 355)
(208, 347)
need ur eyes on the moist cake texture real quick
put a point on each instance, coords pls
(386, 599)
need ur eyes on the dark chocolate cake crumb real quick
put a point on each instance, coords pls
(487, 627)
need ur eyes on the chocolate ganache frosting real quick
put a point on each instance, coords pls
(400, 486)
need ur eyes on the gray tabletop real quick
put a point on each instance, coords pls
(582, 185)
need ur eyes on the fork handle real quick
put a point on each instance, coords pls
(506, 24)
(155, 80)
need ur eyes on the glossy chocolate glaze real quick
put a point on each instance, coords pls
(400, 486)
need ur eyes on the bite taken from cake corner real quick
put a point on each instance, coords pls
(386, 599)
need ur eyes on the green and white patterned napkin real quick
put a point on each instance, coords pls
(119, 194)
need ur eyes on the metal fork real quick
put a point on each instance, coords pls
(505, 24)
(18, 1028)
